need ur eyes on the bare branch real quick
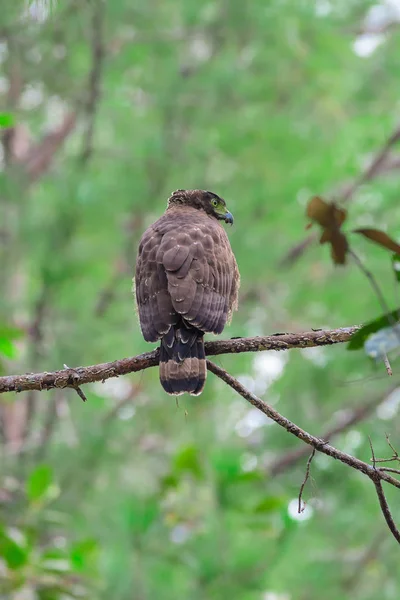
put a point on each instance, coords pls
(376, 475)
(303, 485)
(374, 285)
(303, 435)
(389, 470)
(80, 394)
(281, 464)
(81, 375)
(386, 510)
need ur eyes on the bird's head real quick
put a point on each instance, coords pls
(212, 204)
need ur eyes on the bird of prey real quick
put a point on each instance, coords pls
(186, 284)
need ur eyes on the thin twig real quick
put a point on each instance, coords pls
(395, 453)
(395, 456)
(373, 282)
(100, 372)
(80, 393)
(386, 510)
(388, 367)
(307, 475)
(371, 472)
(373, 459)
(389, 470)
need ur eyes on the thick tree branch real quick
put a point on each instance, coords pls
(81, 375)
(376, 475)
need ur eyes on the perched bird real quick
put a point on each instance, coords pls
(186, 284)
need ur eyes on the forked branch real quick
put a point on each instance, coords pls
(374, 474)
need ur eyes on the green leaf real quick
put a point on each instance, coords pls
(187, 459)
(7, 336)
(270, 504)
(141, 514)
(14, 553)
(83, 553)
(396, 266)
(360, 337)
(8, 348)
(39, 482)
(12, 333)
(6, 119)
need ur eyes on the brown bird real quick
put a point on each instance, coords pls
(187, 283)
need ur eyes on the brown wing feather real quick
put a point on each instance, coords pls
(201, 273)
(156, 312)
(185, 268)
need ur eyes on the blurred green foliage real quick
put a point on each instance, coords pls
(267, 104)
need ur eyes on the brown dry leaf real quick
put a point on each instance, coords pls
(330, 218)
(379, 237)
(339, 247)
(324, 213)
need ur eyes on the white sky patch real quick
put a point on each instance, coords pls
(55, 112)
(32, 96)
(251, 422)
(180, 534)
(323, 462)
(25, 593)
(366, 44)
(390, 407)
(269, 595)
(352, 441)
(200, 48)
(39, 10)
(394, 7)
(316, 355)
(323, 8)
(268, 367)
(126, 412)
(295, 515)
(249, 462)
(116, 389)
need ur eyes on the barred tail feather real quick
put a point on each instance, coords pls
(183, 361)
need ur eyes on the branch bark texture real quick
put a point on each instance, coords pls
(82, 375)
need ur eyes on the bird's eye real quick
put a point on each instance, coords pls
(214, 203)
